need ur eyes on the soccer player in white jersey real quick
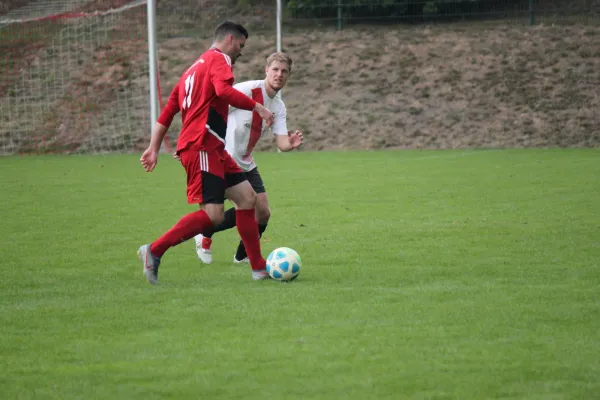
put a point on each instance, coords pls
(244, 130)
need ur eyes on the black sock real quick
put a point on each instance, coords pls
(228, 223)
(240, 254)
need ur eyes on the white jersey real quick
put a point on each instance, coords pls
(245, 128)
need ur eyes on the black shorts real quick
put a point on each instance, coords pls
(255, 180)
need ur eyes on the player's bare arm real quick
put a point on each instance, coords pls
(290, 142)
(264, 114)
(150, 156)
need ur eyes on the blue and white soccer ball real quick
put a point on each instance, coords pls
(283, 264)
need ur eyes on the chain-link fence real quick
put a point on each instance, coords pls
(349, 12)
(344, 13)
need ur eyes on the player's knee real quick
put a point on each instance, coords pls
(263, 214)
(248, 200)
(215, 213)
(217, 219)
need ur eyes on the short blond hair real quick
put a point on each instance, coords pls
(281, 57)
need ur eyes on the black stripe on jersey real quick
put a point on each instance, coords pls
(216, 123)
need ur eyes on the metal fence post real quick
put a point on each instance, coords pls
(531, 13)
(340, 24)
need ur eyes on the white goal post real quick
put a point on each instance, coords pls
(152, 62)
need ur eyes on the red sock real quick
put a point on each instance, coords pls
(187, 227)
(248, 229)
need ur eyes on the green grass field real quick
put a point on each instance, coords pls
(426, 275)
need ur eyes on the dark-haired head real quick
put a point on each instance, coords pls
(230, 28)
(230, 38)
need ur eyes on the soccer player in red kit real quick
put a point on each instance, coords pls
(203, 96)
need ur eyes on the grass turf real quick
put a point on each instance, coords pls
(427, 274)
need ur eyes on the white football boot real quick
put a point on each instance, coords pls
(243, 260)
(260, 275)
(150, 263)
(203, 248)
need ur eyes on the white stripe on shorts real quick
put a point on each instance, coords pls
(203, 161)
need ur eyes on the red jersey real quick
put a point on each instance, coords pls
(203, 95)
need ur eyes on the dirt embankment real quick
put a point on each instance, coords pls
(439, 86)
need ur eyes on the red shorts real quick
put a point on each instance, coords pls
(209, 174)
